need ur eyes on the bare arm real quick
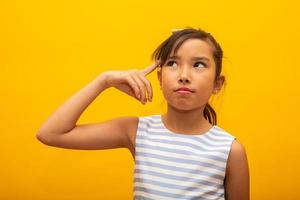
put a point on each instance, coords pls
(237, 174)
(65, 117)
(60, 129)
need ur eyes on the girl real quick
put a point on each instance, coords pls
(181, 154)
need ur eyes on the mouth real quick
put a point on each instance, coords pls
(184, 90)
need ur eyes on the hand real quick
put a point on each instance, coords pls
(132, 82)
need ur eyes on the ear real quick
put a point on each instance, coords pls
(219, 83)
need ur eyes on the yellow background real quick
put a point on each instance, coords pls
(51, 49)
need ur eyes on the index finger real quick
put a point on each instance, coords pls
(150, 68)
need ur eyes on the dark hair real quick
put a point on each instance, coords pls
(163, 51)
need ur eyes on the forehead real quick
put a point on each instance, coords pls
(194, 47)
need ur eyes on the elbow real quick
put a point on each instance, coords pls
(43, 138)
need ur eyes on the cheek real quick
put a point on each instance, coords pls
(168, 81)
(205, 87)
(205, 79)
(167, 85)
(163, 78)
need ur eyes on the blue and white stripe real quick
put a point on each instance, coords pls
(171, 166)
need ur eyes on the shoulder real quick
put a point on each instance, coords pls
(237, 148)
(224, 134)
(237, 173)
(132, 124)
(237, 163)
(237, 154)
(130, 121)
(126, 123)
(129, 125)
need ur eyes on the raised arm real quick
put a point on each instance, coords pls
(61, 130)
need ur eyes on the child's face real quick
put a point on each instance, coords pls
(188, 71)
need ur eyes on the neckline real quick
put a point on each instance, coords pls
(184, 134)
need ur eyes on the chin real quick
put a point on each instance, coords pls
(181, 107)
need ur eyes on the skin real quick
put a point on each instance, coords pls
(62, 130)
(184, 111)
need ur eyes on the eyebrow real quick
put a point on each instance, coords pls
(193, 58)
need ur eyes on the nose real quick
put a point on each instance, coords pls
(184, 76)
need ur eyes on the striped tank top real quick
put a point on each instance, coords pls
(171, 165)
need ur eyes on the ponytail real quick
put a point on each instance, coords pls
(210, 114)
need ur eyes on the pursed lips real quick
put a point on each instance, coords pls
(184, 90)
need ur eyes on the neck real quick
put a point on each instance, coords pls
(191, 121)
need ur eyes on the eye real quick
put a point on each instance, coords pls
(201, 63)
(171, 63)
